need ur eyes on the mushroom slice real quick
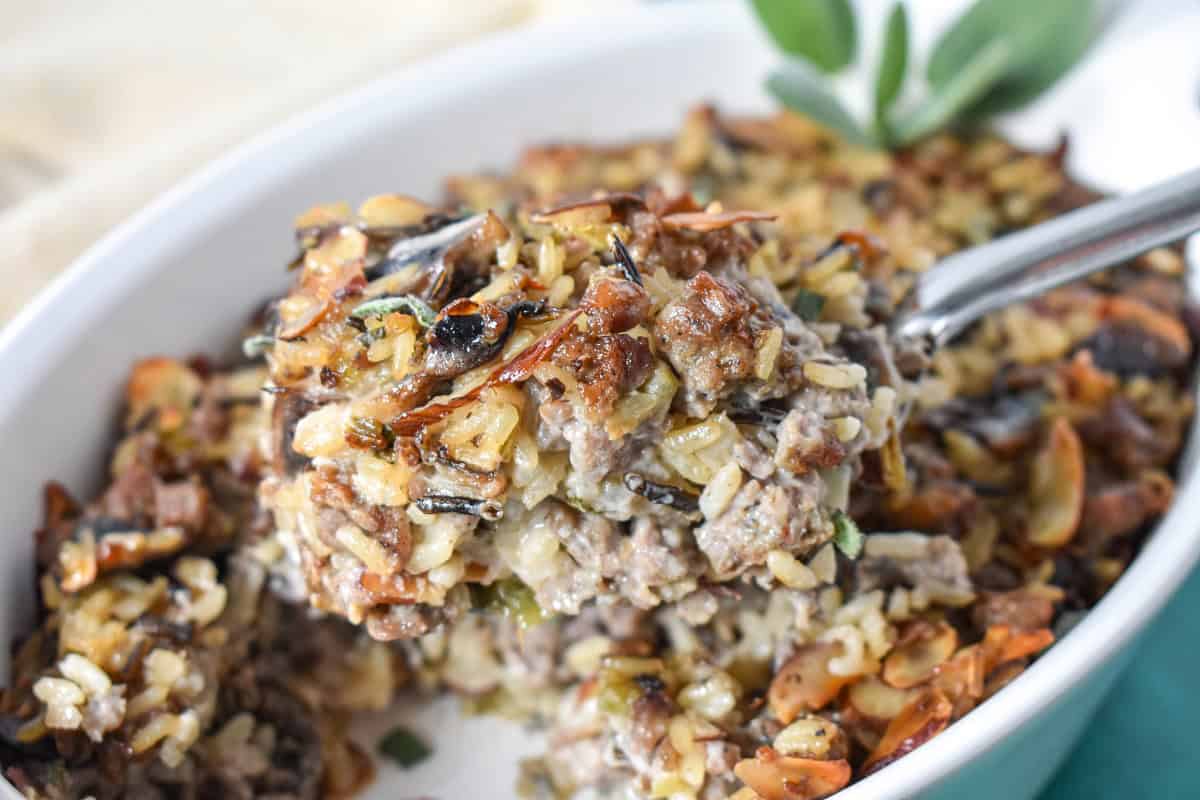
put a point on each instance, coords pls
(466, 334)
(286, 412)
(1056, 489)
(516, 370)
(916, 657)
(1167, 342)
(804, 682)
(428, 248)
(925, 716)
(776, 777)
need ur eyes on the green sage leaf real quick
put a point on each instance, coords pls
(255, 346)
(808, 305)
(846, 535)
(967, 88)
(804, 92)
(1046, 40)
(893, 66)
(406, 304)
(404, 747)
(1022, 86)
(823, 32)
(513, 599)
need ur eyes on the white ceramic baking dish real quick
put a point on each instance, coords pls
(184, 274)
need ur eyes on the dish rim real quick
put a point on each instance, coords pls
(30, 342)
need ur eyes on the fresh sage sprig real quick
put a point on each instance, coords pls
(822, 32)
(801, 89)
(1046, 40)
(893, 66)
(998, 56)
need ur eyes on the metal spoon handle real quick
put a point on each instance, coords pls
(964, 287)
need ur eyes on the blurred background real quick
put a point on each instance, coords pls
(106, 103)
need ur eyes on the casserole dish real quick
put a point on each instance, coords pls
(174, 280)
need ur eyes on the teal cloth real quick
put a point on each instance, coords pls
(1145, 742)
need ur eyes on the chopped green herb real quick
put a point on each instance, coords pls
(491, 703)
(808, 305)
(617, 693)
(372, 335)
(405, 304)
(513, 599)
(846, 535)
(704, 187)
(255, 346)
(579, 504)
(402, 746)
(997, 56)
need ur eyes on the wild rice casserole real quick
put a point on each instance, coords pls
(616, 443)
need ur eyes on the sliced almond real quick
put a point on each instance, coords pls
(805, 683)
(922, 648)
(1002, 644)
(323, 216)
(704, 222)
(776, 777)
(392, 211)
(925, 716)
(1056, 491)
(875, 701)
(587, 212)
(961, 679)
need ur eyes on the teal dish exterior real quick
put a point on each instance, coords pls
(1154, 704)
(1020, 766)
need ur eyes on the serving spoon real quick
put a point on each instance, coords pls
(964, 287)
